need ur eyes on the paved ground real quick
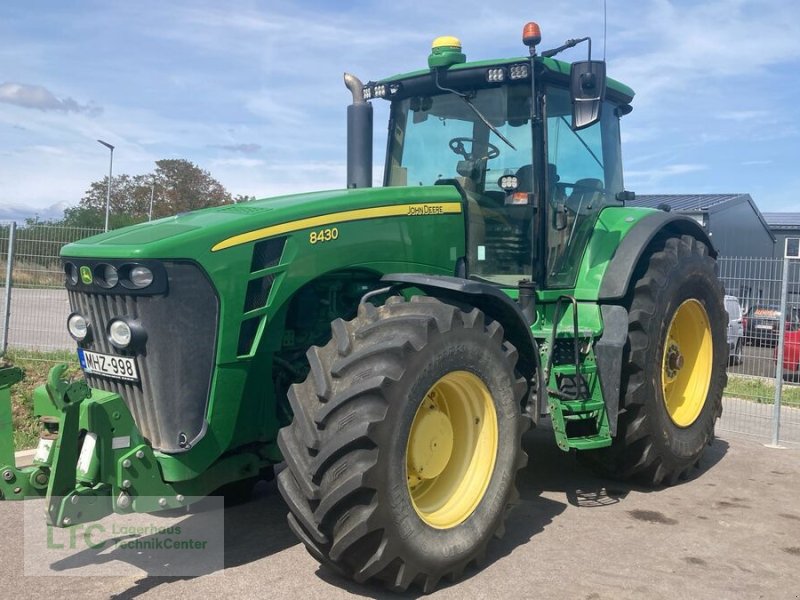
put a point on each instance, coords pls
(39, 323)
(756, 360)
(740, 415)
(39, 320)
(732, 531)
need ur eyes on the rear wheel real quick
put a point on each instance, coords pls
(406, 440)
(674, 368)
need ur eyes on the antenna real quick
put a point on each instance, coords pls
(605, 29)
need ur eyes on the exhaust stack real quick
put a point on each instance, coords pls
(359, 136)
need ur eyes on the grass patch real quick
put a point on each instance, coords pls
(29, 274)
(761, 390)
(36, 365)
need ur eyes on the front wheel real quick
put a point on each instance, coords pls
(674, 366)
(403, 452)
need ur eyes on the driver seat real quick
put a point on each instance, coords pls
(524, 177)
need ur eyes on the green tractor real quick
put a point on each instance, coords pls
(392, 345)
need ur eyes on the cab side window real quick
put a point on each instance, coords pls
(584, 175)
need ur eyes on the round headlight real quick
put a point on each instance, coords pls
(120, 333)
(110, 276)
(140, 277)
(71, 272)
(78, 327)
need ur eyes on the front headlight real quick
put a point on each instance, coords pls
(120, 333)
(71, 272)
(140, 277)
(78, 327)
(106, 276)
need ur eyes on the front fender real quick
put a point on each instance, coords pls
(620, 237)
(487, 298)
(619, 273)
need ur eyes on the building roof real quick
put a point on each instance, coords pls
(685, 202)
(783, 220)
(694, 203)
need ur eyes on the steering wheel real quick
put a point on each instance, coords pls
(457, 146)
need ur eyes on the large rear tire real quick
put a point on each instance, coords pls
(406, 439)
(674, 367)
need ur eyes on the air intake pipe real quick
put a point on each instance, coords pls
(359, 136)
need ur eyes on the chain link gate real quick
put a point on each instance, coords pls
(762, 399)
(35, 305)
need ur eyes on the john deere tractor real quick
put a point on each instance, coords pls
(393, 344)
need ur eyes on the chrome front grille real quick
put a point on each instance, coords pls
(175, 365)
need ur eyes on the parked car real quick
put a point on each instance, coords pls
(762, 323)
(791, 353)
(735, 329)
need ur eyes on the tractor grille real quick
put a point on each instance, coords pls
(175, 366)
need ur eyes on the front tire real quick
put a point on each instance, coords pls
(403, 452)
(674, 367)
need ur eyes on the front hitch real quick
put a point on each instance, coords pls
(66, 397)
(17, 483)
(92, 460)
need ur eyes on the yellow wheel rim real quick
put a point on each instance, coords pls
(451, 449)
(686, 363)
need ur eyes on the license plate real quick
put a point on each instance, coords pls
(116, 367)
(763, 326)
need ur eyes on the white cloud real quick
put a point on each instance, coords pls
(745, 115)
(237, 162)
(657, 175)
(245, 148)
(253, 92)
(40, 98)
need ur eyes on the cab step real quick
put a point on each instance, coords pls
(580, 420)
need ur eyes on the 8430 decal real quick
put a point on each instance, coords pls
(323, 235)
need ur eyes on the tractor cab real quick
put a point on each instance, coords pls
(534, 175)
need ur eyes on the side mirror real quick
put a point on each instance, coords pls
(587, 86)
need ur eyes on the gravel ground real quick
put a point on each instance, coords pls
(731, 531)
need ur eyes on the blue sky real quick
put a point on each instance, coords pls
(252, 91)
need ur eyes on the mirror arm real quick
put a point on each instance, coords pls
(567, 45)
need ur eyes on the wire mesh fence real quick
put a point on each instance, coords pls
(38, 307)
(755, 287)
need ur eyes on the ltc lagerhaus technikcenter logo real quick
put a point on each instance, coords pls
(186, 543)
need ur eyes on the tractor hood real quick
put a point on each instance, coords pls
(213, 230)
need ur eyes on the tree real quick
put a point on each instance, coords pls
(180, 186)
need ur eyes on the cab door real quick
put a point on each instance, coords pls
(583, 176)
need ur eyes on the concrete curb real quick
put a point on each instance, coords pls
(24, 458)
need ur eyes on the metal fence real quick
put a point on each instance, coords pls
(35, 309)
(35, 306)
(759, 400)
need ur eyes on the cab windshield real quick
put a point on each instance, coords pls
(441, 139)
(437, 138)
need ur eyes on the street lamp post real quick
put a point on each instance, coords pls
(152, 191)
(110, 167)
